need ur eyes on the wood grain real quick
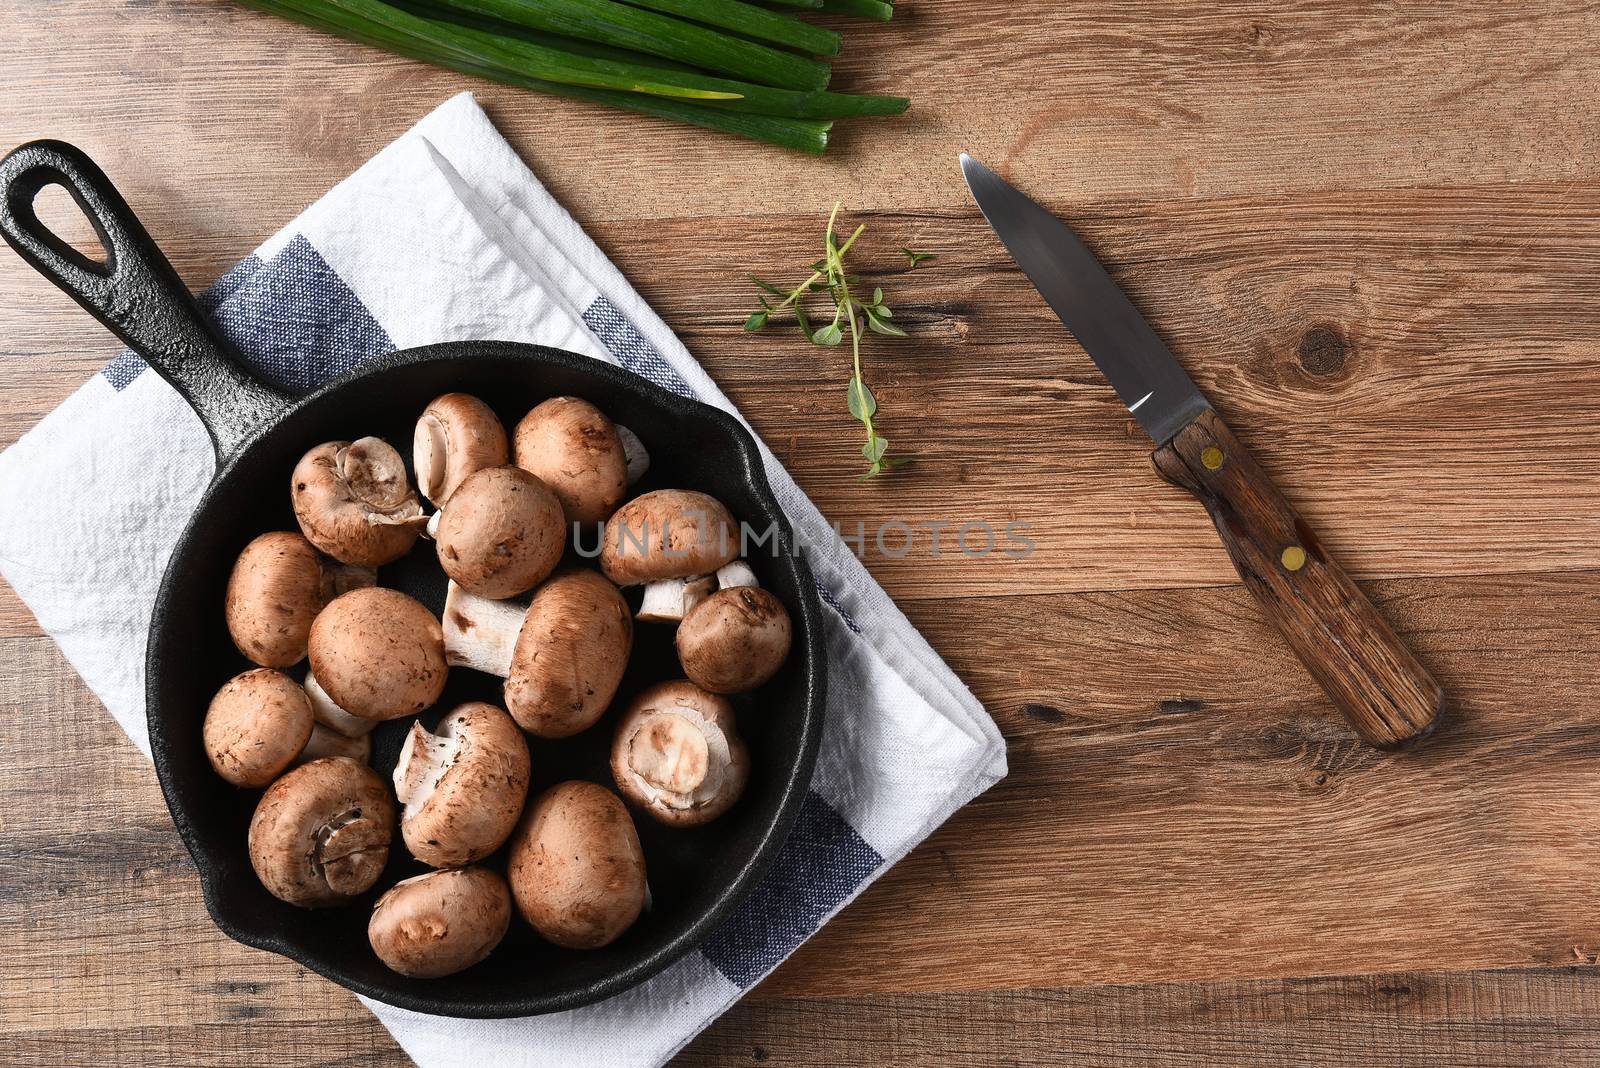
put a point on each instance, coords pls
(1367, 229)
(1408, 1020)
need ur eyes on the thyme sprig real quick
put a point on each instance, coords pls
(831, 276)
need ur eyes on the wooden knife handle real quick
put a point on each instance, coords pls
(1337, 633)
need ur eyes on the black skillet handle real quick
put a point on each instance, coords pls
(135, 293)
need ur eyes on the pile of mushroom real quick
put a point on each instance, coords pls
(334, 654)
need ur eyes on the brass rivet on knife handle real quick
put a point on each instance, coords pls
(1352, 652)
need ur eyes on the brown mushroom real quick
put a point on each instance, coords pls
(668, 534)
(457, 435)
(577, 452)
(571, 651)
(576, 867)
(353, 502)
(440, 923)
(500, 533)
(462, 785)
(278, 585)
(678, 756)
(378, 654)
(320, 835)
(734, 640)
(256, 725)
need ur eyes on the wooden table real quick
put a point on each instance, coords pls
(1372, 230)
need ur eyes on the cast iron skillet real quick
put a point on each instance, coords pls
(696, 876)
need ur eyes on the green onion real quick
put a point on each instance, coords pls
(622, 26)
(716, 66)
(750, 21)
(533, 60)
(871, 9)
(720, 92)
(517, 58)
(800, 134)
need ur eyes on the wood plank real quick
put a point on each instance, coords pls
(1418, 375)
(1184, 805)
(1409, 1020)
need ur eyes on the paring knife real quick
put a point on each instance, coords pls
(1372, 677)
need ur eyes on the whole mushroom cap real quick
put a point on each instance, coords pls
(462, 785)
(321, 833)
(677, 754)
(278, 585)
(354, 502)
(456, 435)
(570, 655)
(668, 534)
(734, 640)
(440, 923)
(575, 450)
(576, 867)
(500, 533)
(256, 725)
(378, 654)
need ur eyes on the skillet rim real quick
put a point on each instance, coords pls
(771, 840)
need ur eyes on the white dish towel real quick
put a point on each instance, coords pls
(445, 235)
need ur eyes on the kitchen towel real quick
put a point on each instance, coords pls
(446, 235)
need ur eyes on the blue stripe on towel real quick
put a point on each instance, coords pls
(824, 861)
(293, 318)
(631, 348)
(832, 602)
(298, 324)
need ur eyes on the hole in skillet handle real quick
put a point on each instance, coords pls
(37, 190)
(134, 292)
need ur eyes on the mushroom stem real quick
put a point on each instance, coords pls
(737, 573)
(340, 578)
(333, 717)
(376, 476)
(635, 455)
(480, 633)
(424, 758)
(327, 742)
(351, 851)
(678, 758)
(429, 451)
(456, 435)
(669, 600)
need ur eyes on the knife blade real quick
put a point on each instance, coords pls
(1338, 634)
(1147, 377)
